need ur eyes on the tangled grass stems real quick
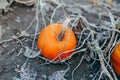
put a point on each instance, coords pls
(110, 68)
(111, 49)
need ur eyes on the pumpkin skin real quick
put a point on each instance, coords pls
(115, 59)
(51, 47)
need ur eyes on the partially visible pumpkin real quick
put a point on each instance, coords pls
(50, 45)
(115, 59)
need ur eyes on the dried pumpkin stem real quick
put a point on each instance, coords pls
(64, 26)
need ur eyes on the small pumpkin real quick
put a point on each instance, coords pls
(51, 47)
(115, 59)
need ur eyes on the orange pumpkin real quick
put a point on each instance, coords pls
(51, 47)
(115, 59)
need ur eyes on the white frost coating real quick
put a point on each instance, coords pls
(30, 53)
(26, 73)
(3, 4)
(58, 75)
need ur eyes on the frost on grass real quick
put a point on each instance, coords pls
(3, 4)
(26, 73)
(57, 75)
(30, 53)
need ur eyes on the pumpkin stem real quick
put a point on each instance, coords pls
(64, 26)
(61, 36)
